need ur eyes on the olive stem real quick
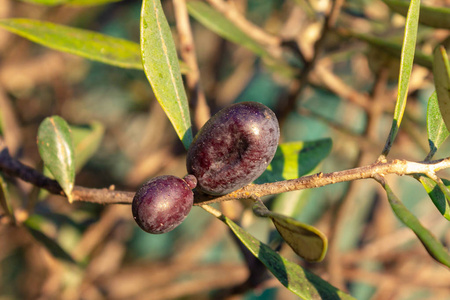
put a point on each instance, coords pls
(15, 168)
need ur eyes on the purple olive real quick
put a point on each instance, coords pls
(233, 148)
(162, 203)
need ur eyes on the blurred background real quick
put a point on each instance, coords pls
(348, 96)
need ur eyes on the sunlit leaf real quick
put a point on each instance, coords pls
(70, 2)
(161, 66)
(441, 72)
(438, 17)
(437, 131)
(86, 140)
(56, 149)
(406, 64)
(431, 243)
(33, 225)
(441, 199)
(307, 241)
(298, 280)
(295, 159)
(85, 43)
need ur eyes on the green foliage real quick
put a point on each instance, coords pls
(298, 280)
(437, 132)
(161, 66)
(216, 22)
(438, 17)
(406, 64)
(85, 43)
(431, 243)
(65, 150)
(34, 225)
(295, 159)
(5, 199)
(440, 197)
(441, 72)
(86, 141)
(307, 241)
(71, 2)
(393, 49)
(57, 151)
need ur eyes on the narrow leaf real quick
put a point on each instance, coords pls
(295, 159)
(431, 243)
(406, 64)
(86, 140)
(298, 280)
(438, 17)
(441, 72)
(32, 224)
(393, 49)
(307, 241)
(85, 43)
(215, 21)
(441, 199)
(161, 66)
(70, 2)
(437, 131)
(57, 151)
(5, 199)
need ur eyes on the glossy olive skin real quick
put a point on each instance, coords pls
(162, 203)
(233, 148)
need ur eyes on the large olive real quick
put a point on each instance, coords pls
(233, 148)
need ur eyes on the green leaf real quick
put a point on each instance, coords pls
(437, 131)
(406, 64)
(298, 280)
(33, 224)
(70, 2)
(440, 198)
(441, 72)
(438, 17)
(5, 199)
(161, 66)
(85, 43)
(307, 241)
(431, 243)
(393, 49)
(215, 21)
(57, 151)
(295, 159)
(86, 140)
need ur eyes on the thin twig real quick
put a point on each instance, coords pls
(14, 168)
(187, 49)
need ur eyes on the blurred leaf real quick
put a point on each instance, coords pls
(438, 17)
(70, 2)
(393, 49)
(56, 149)
(406, 64)
(86, 140)
(431, 243)
(441, 199)
(215, 21)
(306, 240)
(33, 226)
(161, 66)
(298, 280)
(85, 43)
(437, 131)
(441, 72)
(5, 199)
(295, 159)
